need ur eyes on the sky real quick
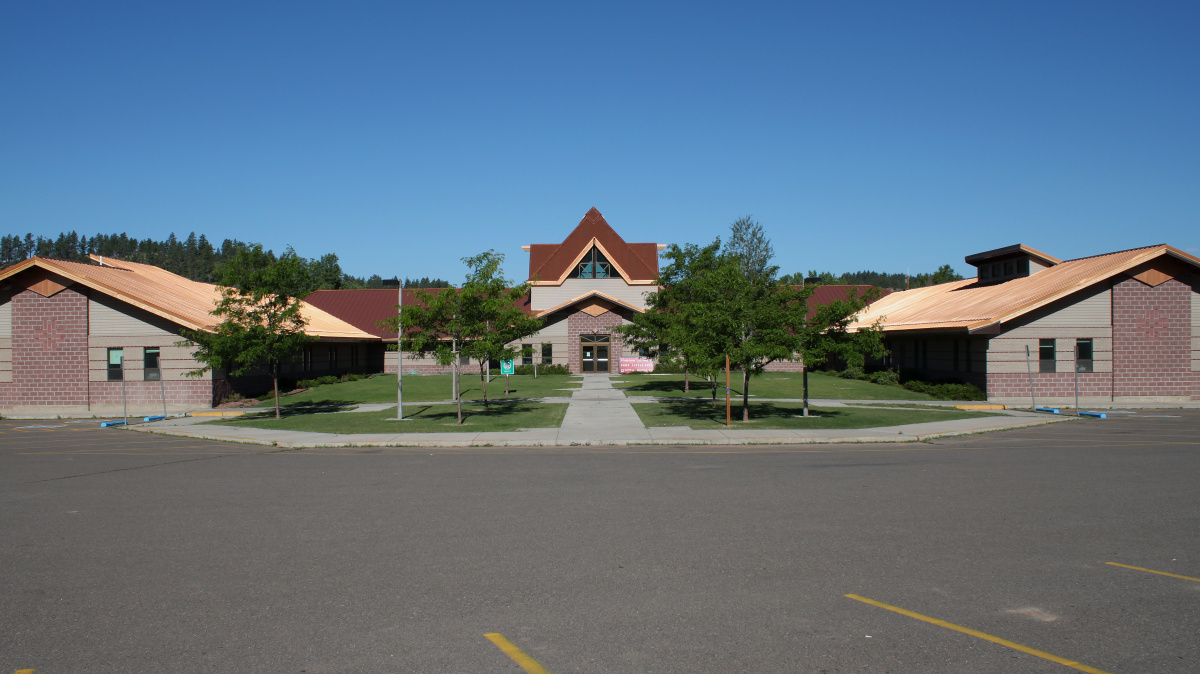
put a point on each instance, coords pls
(405, 136)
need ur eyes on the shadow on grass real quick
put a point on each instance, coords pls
(703, 410)
(675, 386)
(445, 413)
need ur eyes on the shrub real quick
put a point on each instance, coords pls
(668, 366)
(884, 378)
(947, 390)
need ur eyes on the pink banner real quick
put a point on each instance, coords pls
(635, 364)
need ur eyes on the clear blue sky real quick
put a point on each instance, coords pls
(405, 136)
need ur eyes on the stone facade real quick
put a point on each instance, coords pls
(580, 323)
(49, 350)
(1152, 341)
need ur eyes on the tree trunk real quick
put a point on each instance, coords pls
(483, 378)
(454, 385)
(805, 390)
(685, 380)
(714, 391)
(275, 377)
(746, 394)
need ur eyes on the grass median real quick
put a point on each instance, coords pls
(428, 388)
(501, 415)
(700, 415)
(768, 385)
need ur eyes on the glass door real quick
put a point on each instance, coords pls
(593, 352)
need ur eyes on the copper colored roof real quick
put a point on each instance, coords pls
(551, 263)
(170, 296)
(1015, 249)
(974, 307)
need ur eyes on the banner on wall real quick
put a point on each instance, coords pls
(635, 364)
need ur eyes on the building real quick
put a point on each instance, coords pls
(1125, 325)
(79, 338)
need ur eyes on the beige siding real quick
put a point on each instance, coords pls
(1195, 330)
(1084, 316)
(1091, 311)
(6, 320)
(173, 361)
(5, 360)
(1035, 267)
(548, 297)
(110, 318)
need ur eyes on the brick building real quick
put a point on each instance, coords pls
(79, 338)
(1125, 325)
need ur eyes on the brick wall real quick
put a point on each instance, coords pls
(50, 358)
(579, 323)
(1152, 340)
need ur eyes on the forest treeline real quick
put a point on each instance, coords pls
(944, 274)
(195, 257)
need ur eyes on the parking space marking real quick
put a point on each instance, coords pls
(518, 656)
(982, 635)
(1161, 573)
(23, 671)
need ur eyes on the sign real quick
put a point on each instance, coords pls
(506, 367)
(634, 364)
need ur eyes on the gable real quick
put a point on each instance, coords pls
(551, 264)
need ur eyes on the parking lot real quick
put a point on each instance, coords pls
(1069, 547)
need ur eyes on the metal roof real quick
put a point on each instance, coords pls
(551, 263)
(974, 307)
(170, 296)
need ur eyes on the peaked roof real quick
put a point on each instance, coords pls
(985, 308)
(170, 296)
(365, 307)
(551, 263)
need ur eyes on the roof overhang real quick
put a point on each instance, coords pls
(608, 256)
(595, 294)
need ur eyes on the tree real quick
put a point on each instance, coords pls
(748, 243)
(261, 324)
(480, 320)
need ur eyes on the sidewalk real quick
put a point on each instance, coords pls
(598, 414)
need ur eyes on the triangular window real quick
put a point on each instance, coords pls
(593, 265)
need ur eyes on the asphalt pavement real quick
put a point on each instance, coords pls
(129, 552)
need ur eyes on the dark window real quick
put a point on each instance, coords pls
(333, 358)
(1023, 267)
(1008, 268)
(593, 265)
(983, 273)
(354, 355)
(1046, 355)
(547, 354)
(308, 358)
(116, 364)
(527, 354)
(968, 355)
(1083, 355)
(150, 371)
(996, 270)
(956, 355)
(925, 353)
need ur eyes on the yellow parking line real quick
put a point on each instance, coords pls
(23, 671)
(1161, 573)
(518, 656)
(982, 635)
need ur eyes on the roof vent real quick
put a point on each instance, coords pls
(1010, 262)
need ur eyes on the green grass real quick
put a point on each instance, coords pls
(507, 415)
(700, 415)
(427, 388)
(768, 385)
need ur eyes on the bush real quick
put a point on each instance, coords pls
(884, 378)
(671, 366)
(947, 390)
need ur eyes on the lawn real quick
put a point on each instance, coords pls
(502, 415)
(428, 388)
(700, 415)
(767, 385)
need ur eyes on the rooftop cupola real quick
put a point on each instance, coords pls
(1010, 262)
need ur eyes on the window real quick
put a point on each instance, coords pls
(1023, 267)
(547, 354)
(1046, 355)
(527, 354)
(968, 355)
(150, 371)
(996, 270)
(924, 353)
(354, 355)
(1083, 355)
(116, 360)
(307, 358)
(983, 273)
(956, 355)
(593, 265)
(1009, 268)
(333, 358)
(463, 359)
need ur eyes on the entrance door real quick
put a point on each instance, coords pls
(593, 351)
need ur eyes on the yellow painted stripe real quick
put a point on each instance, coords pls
(24, 671)
(1161, 573)
(518, 656)
(982, 635)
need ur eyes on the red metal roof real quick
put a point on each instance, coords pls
(364, 308)
(551, 262)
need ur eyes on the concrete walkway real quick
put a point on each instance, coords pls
(598, 414)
